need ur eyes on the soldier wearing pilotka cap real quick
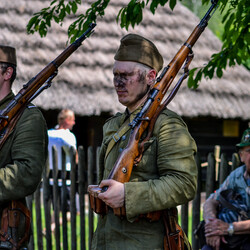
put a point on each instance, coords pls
(166, 175)
(23, 154)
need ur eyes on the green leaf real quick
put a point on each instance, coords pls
(31, 22)
(137, 9)
(172, 4)
(53, 2)
(139, 17)
(198, 76)
(219, 72)
(153, 6)
(191, 81)
(62, 14)
(74, 7)
(229, 22)
(119, 15)
(225, 17)
(67, 9)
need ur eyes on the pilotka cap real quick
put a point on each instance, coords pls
(245, 140)
(136, 48)
(7, 54)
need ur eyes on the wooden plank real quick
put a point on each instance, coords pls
(73, 197)
(210, 176)
(90, 181)
(47, 206)
(224, 168)
(184, 218)
(82, 169)
(235, 161)
(37, 197)
(29, 200)
(196, 203)
(56, 197)
(64, 200)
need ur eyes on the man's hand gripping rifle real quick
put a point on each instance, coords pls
(153, 106)
(9, 116)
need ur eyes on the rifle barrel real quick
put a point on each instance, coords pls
(25, 95)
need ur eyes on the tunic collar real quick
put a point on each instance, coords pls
(132, 115)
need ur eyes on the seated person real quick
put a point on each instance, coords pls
(217, 231)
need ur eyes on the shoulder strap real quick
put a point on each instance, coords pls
(230, 206)
(117, 136)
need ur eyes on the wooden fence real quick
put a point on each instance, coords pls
(77, 233)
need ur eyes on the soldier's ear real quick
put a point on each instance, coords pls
(151, 75)
(8, 73)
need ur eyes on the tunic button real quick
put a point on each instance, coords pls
(120, 150)
(123, 137)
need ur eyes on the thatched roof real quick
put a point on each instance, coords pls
(84, 81)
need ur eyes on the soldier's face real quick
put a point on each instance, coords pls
(245, 157)
(130, 83)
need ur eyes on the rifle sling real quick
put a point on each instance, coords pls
(230, 206)
(117, 136)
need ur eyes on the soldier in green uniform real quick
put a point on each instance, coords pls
(24, 153)
(166, 175)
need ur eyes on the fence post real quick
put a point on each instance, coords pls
(64, 205)
(184, 218)
(97, 175)
(224, 168)
(90, 181)
(217, 161)
(196, 204)
(56, 196)
(81, 189)
(38, 218)
(29, 200)
(73, 197)
(47, 205)
(235, 161)
(210, 176)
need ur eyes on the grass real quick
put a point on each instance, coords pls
(61, 233)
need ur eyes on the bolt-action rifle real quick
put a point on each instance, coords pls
(10, 115)
(146, 118)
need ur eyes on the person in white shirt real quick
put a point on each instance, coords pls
(62, 136)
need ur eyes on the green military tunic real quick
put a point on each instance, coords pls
(165, 177)
(23, 155)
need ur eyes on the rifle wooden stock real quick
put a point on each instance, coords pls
(29, 90)
(131, 155)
